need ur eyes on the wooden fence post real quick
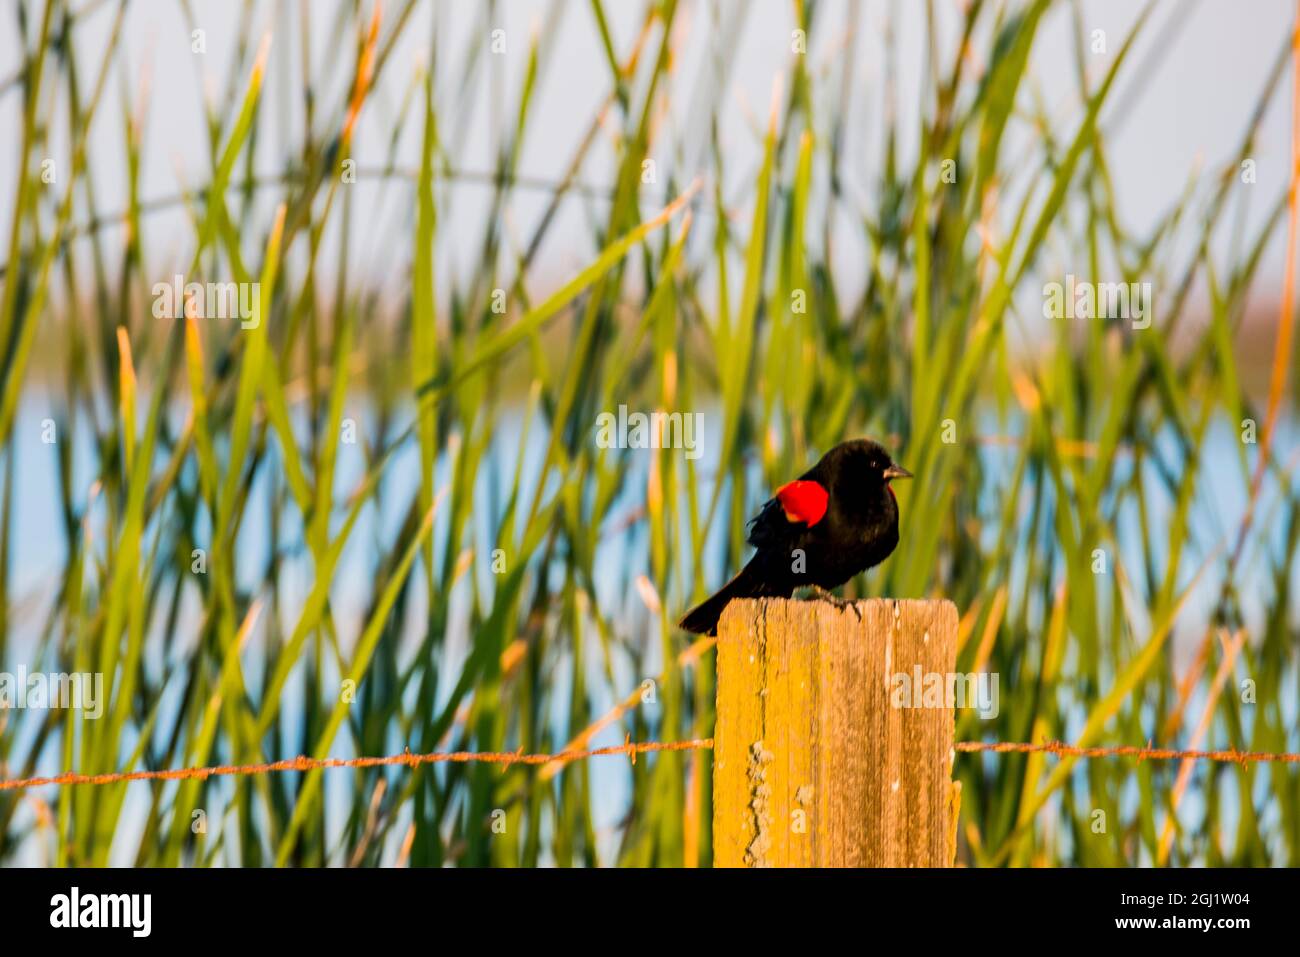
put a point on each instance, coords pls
(815, 764)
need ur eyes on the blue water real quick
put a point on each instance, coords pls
(40, 552)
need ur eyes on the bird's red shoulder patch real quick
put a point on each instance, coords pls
(803, 501)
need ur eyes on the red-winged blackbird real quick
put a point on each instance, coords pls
(837, 519)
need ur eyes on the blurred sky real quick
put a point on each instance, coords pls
(1182, 104)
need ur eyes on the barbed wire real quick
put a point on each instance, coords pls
(406, 759)
(629, 748)
(1147, 753)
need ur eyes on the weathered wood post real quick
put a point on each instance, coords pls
(819, 759)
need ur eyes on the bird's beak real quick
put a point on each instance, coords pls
(896, 471)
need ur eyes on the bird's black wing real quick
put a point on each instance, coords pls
(770, 527)
(773, 526)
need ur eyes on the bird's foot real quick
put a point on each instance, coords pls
(838, 602)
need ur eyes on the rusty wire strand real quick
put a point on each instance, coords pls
(630, 748)
(1148, 753)
(406, 759)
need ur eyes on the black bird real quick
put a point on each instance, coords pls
(837, 519)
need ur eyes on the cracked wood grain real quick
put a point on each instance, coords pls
(814, 765)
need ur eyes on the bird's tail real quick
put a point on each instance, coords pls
(703, 618)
